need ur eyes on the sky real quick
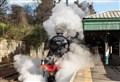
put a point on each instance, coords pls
(102, 5)
(105, 5)
(99, 5)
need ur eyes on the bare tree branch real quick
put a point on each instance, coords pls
(2, 2)
(38, 1)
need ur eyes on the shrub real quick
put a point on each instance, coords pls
(2, 28)
(37, 37)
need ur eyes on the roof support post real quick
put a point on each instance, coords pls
(97, 51)
(110, 49)
(119, 44)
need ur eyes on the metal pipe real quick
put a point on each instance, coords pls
(78, 1)
(67, 2)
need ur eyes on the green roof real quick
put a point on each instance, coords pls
(94, 22)
(107, 14)
(90, 26)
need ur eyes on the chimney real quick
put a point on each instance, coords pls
(59, 1)
(67, 2)
(78, 1)
(91, 8)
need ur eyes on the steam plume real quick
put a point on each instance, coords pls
(78, 57)
(68, 20)
(65, 19)
(28, 69)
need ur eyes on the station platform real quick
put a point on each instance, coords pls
(100, 72)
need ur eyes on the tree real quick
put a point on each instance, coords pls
(19, 15)
(37, 37)
(43, 11)
(2, 8)
(39, 1)
(91, 8)
(2, 3)
(2, 28)
(30, 13)
(28, 9)
(5, 18)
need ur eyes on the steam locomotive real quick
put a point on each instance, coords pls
(58, 46)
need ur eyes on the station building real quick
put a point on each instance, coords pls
(102, 32)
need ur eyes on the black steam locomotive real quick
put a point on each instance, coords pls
(58, 45)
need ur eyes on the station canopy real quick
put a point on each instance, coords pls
(109, 20)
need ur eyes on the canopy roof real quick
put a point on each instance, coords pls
(109, 20)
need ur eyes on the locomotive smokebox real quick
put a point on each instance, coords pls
(58, 45)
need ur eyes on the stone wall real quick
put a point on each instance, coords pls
(8, 48)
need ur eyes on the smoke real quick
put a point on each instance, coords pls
(66, 20)
(81, 9)
(28, 68)
(78, 57)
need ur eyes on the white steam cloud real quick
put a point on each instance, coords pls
(28, 69)
(79, 57)
(67, 20)
(64, 20)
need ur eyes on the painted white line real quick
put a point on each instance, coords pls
(73, 76)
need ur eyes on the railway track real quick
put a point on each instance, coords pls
(8, 73)
(117, 68)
